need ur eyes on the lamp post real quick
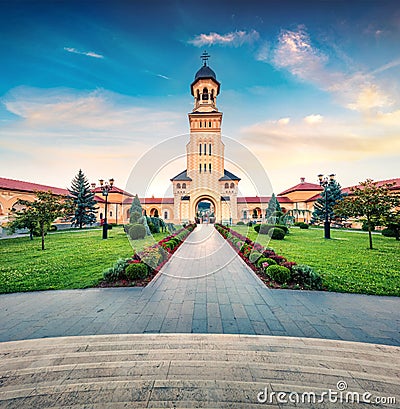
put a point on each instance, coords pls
(105, 188)
(324, 182)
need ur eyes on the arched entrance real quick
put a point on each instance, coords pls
(205, 210)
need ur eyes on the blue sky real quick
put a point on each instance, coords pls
(308, 86)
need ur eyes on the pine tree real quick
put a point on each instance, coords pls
(334, 196)
(136, 214)
(84, 204)
(273, 208)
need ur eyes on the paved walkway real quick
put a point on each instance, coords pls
(205, 288)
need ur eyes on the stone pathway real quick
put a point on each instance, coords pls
(205, 288)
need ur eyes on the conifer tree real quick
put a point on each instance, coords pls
(83, 198)
(136, 211)
(273, 207)
(334, 196)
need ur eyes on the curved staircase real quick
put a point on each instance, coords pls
(187, 371)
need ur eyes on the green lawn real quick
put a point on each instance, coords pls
(71, 260)
(345, 262)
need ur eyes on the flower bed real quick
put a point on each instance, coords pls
(142, 267)
(274, 270)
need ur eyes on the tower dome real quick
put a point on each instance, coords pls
(205, 72)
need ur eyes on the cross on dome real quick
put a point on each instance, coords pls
(205, 56)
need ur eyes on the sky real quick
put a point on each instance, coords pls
(308, 87)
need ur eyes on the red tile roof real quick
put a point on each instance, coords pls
(151, 200)
(379, 183)
(314, 198)
(11, 184)
(115, 189)
(302, 186)
(261, 199)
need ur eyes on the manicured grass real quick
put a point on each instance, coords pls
(71, 259)
(345, 262)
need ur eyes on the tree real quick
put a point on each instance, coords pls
(83, 198)
(392, 220)
(41, 212)
(368, 200)
(273, 207)
(25, 220)
(136, 214)
(327, 204)
(136, 210)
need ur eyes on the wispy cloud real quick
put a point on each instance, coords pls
(87, 53)
(391, 64)
(233, 39)
(313, 119)
(357, 90)
(163, 76)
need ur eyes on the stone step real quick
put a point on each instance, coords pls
(185, 370)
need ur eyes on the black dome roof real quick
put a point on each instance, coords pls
(205, 72)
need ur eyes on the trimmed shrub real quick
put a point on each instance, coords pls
(240, 223)
(279, 274)
(388, 233)
(137, 231)
(270, 261)
(53, 227)
(304, 226)
(257, 227)
(276, 233)
(116, 272)
(265, 228)
(254, 256)
(305, 275)
(260, 261)
(136, 271)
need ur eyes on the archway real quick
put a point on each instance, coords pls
(205, 210)
(154, 212)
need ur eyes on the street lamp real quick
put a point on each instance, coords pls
(324, 182)
(105, 188)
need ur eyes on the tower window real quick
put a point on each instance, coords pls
(209, 124)
(200, 124)
(205, 94)
(232, 185)
(183, 185)
(178, 186)
(200, 149)
(212, 95)
(226, 185)
(209, 167)
(205, 168)
(200, 167)
(209, 149)
(205, 149)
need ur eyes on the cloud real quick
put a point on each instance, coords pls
(87, 53)
(87, 115)
(163, 76)
(356, 90)
(283, 121)
(313, 119)
(263, 52)
(233, 39)
(391, 64)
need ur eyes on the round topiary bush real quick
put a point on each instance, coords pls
(270, 261)
(136, 271)
(240, 223)
(304, 226)
(276, 233)
(257, 227)
(279, 274)
(137, 231)
(264, 228)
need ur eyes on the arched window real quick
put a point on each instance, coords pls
(200, 124)
(205, 168)
(198, 95)
(209, 167)
(232, 185)
(244, 214)
(166, 215)
(178, 185)
(226, 185)
(209, 124)
(205, 94)
(209, 149)
(200, 167)
(101, 216)
(200, 148)
(205, 149)
(212, 95)
(110, 213)
(183, 185)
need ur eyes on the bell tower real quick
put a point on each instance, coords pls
(205, 151)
